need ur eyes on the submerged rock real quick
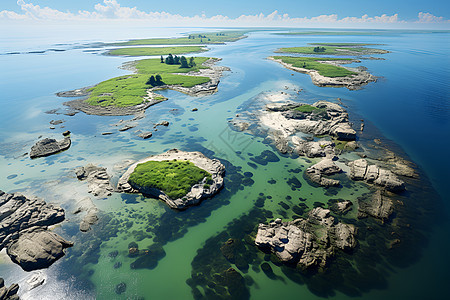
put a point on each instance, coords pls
(24, 233)
(97, 178)
(376, 205)
(48, 147)
(198, 191)
(86, 205)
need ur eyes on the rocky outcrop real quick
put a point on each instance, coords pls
(97, 178)
(24, 223)
(376, 205)
(306, 242)
(197, 193)
(86, 205)
(46, 147)
(316, 173)
(313, 149)
(8, 293)
(212, 71)
(361, 170)
(327, 119)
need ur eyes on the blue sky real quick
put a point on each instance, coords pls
(234, 12)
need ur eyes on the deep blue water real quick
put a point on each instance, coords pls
(409, 106)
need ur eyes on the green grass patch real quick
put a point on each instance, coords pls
(129, 90)
(343, 44)
(306, 108)
(155, 51)
(175, 178)
(313, 63)
(355, 33)
(197, 38)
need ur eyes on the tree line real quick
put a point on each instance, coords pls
(176, 60)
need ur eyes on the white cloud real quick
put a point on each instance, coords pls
(429, 18)
(112, 10)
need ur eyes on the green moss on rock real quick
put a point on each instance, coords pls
(175, 178)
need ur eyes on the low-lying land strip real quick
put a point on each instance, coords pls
(335, 49)
(192, 39)
(155, 51)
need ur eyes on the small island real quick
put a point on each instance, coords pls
(130, 94)
(179, 178)
(328, 71)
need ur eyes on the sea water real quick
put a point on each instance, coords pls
(407, 108)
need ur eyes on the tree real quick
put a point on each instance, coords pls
(192, 62)
(159, 80)
(151, 81)
(162, 59)
(184, 63)
(319, 49)
(169, 59)
(176, 60)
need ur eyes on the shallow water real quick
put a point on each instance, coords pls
(408, 108)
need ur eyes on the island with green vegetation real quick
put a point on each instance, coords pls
(129, 94)
(192, 39)
(155, 51)
(179, 178)
(328, 71)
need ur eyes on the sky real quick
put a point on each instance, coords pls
(433, 14)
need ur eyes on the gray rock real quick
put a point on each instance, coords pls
(24, 231)
(48, 147)
(97, 178)
(361, 170)
(145, 135)
(376, 205)
(323, 168)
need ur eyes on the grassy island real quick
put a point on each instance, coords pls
(192, 39)
(315, 63)
(336, 49)
(130, 90)
(155, 51)
(175, 177)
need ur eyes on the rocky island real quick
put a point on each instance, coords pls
(24, 231)
(47, 146)
(181, 179)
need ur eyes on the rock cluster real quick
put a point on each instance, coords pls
(361, 170)
(8, 293)
(46, 147)
(197, 193)
(24, 223)
(306, 242)
(329, 118)
(313, 149)
(97, 178)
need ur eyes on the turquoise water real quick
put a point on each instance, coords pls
(408, 108)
